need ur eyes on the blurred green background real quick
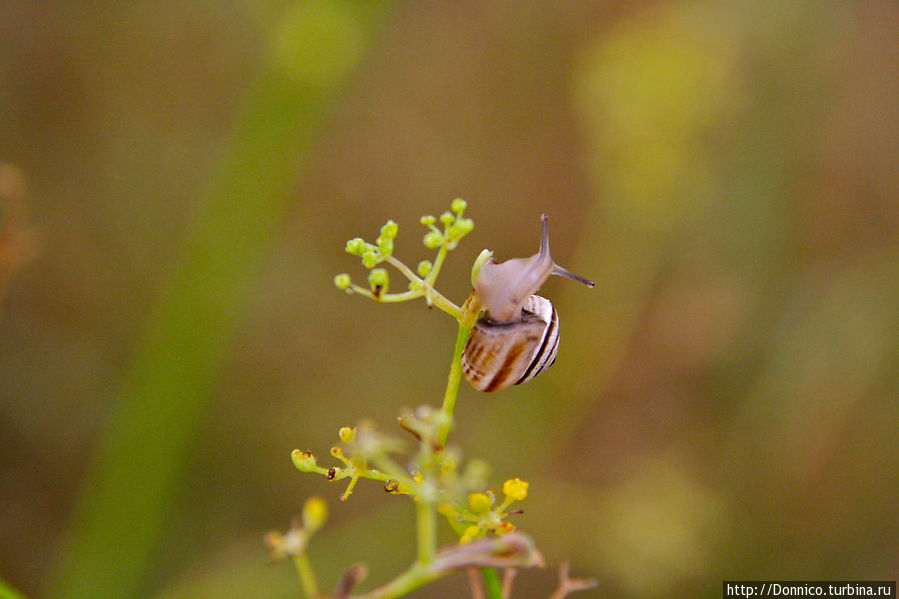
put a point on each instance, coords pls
(724, 405)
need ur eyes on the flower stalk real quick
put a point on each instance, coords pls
(487, 540)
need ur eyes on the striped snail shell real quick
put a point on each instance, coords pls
(518, 337)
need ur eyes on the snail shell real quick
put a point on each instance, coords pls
(518, 338)
(502, 354)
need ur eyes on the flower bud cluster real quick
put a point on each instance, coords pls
(481, 516)
(362, 446)
(460, 496)
(455, 226)
(421, 281)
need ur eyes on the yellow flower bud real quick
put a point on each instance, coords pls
(516, 489)
(379, 280)
(433, 240)
(315, 512)
(369, 259)
(347, 434)
(424, 268)
(342, 281)
(479, 503)
(470, 534)
(390, 229)
(355, 246)
(303, 460)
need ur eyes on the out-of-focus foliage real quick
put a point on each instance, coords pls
(724, 405)
(18, 244)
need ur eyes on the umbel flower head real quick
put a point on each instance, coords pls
(421, 280)
(481, 516)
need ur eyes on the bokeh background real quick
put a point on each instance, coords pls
(184, 177)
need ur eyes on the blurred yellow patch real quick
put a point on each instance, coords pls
(315, 513)
(317, 43)
(649, 91)
(657, 529)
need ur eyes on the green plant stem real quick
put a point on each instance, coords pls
(423, 569)
(426, 524)
(307, 576)
(8, 592)
(401, 266)
(391, 471)
(432, 276)
(426, 504)
(119, 521)
(469, 314)
(408, 581)
(452, 386)
(425, 507)
(444, 304)
(492, 583)
(434, 297)
(438, 263)
(427, 284)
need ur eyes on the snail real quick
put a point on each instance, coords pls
(518, 337)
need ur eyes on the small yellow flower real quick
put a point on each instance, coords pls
(516, 489)
(470, 534)
(479, 503)
(424, 268)
(347, 434)
(504, 528)
(342, 281)
(303, 460)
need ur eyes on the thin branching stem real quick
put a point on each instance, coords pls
(401, 266)
(425, 287)
(307, 576)
(411, 579)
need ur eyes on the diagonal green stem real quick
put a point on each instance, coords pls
(405, 583)
(8, 592)
(118, 524)
(469, 314)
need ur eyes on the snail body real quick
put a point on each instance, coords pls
(518, 337)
